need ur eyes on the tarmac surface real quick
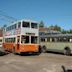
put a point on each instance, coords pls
(45, 62)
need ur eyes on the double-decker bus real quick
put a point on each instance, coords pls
(22, 37)
(61, 43)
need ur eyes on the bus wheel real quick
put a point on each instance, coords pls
(39, 51)
(14, 51)
(67, 51)
(44, 49)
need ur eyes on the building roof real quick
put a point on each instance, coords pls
(46, 30)
(42, 29)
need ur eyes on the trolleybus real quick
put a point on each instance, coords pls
(22, 37)
(57, 43)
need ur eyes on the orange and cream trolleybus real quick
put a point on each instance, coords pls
(21, 36)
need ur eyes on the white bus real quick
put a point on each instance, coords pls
(57, 43)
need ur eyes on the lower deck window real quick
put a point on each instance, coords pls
(25, 39)
(10, 40)
(34, 39)
(42, 40)
(63, 39)
(29, 39)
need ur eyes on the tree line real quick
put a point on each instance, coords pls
(56, 28)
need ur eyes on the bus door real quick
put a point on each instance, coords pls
(18, 41)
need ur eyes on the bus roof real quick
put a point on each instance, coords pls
(21, 21)
(56, 35)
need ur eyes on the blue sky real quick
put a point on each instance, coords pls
(52, 12)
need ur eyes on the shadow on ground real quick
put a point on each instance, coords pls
(56, 53)
(3, 53)
(37, 54)
(29, 54)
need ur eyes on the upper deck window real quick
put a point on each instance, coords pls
(14, 26)
(34, 25)
(11, 27)
(19, 24)
(25, 24)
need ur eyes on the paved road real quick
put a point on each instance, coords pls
(46, 62)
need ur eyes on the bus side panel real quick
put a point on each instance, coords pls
(8, 46)
(28, 48)
(57, 46)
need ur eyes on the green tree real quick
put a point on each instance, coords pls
(70, 31)
(41, 24)
(64, 31)
(56, 27)
(51, 27)
(67, 31)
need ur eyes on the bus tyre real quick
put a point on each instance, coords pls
(67, 51)
(14, 51)
(39, 51)
(44, 49)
